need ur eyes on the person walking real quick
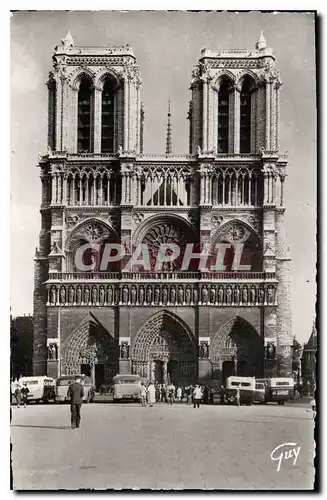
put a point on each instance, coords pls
(24, 393)
(18, 395)
(143, 394)
(171, 393)
(179, 394)
(197, 396)
(75, 394)
(238, 397)
(151, 394)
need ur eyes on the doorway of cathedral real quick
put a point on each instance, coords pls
(86, 369)
(98, 376)
(172, 372)
(158, 372)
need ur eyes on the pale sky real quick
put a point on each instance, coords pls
(167, 45)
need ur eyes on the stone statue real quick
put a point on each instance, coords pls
(173, 296)
(124, 350)
(149, 295)
(236, 295)
(86, 295)
(53, 295)
(245, 295)
(116, 296)
(164, 295)
(228, 295)
(188, 295)
(195, 295)
(213, 295)
(201, 351)
(261, 296)
(253, 295)
(94, 295)
(220, 295)
(270, 293)
(62, 295)
(71, 295)
(141, 295)
(270, 350)
(125, 295)
(204, 295)
(52, 352)
(109, 295)
(157, 295)
(205, 350)
(180, 295)
(79, 295)
(101, 293)
(133, 295)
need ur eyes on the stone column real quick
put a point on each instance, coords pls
(165, 372)
(97, 102)
(237, 123)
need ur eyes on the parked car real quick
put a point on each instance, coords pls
(64, 382)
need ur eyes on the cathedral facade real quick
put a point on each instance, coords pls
(99, 188)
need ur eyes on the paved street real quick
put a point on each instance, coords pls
(126, 446)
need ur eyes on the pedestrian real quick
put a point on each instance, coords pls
(151, 394)
(157, 392)
(197, 396)
(164, 393)
(18, 395)
(206, 395)
(143, 394)
(211, 395)
(75, 394)
(190, 395)
(24, 393)
(238, 397)
(179, 394)
(171, 393)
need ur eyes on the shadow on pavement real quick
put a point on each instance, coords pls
(59, 427)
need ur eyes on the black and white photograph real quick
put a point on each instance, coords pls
(163, 205)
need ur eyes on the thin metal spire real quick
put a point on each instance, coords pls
(168, 139)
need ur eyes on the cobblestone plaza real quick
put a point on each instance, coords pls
(127, 446)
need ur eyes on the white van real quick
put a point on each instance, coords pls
(40, 388)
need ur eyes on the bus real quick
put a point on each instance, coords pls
(246, 385)
(126, 387)
(40, 388)
(278, 389)
(64, 382)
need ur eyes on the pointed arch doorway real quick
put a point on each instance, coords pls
(237, 349)
(164, 350)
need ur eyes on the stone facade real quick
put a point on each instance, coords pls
(167, 323)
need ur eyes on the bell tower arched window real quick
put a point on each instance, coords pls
(245, 116)
(223, 116)
(84, 116)
(108, 117)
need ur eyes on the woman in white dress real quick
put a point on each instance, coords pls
(151, 394)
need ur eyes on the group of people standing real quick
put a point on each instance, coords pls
(169, 393)
(20, 392)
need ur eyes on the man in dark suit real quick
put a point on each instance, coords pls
(75, 393)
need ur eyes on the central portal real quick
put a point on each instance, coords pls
(164, 351)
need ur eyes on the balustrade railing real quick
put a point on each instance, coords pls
(162, 276)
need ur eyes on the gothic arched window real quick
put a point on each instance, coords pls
(245, 116)
(84, 116)
(108, 117)
(223, 116)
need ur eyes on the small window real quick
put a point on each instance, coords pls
(245, 384)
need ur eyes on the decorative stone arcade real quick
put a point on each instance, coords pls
(99, 187)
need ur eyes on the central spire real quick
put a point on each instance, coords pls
(168, 138)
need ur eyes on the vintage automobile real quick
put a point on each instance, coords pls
(40, 388)
(126, 387)
(64, 382)
(260, 392)
(246, 387)
(278, 389)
